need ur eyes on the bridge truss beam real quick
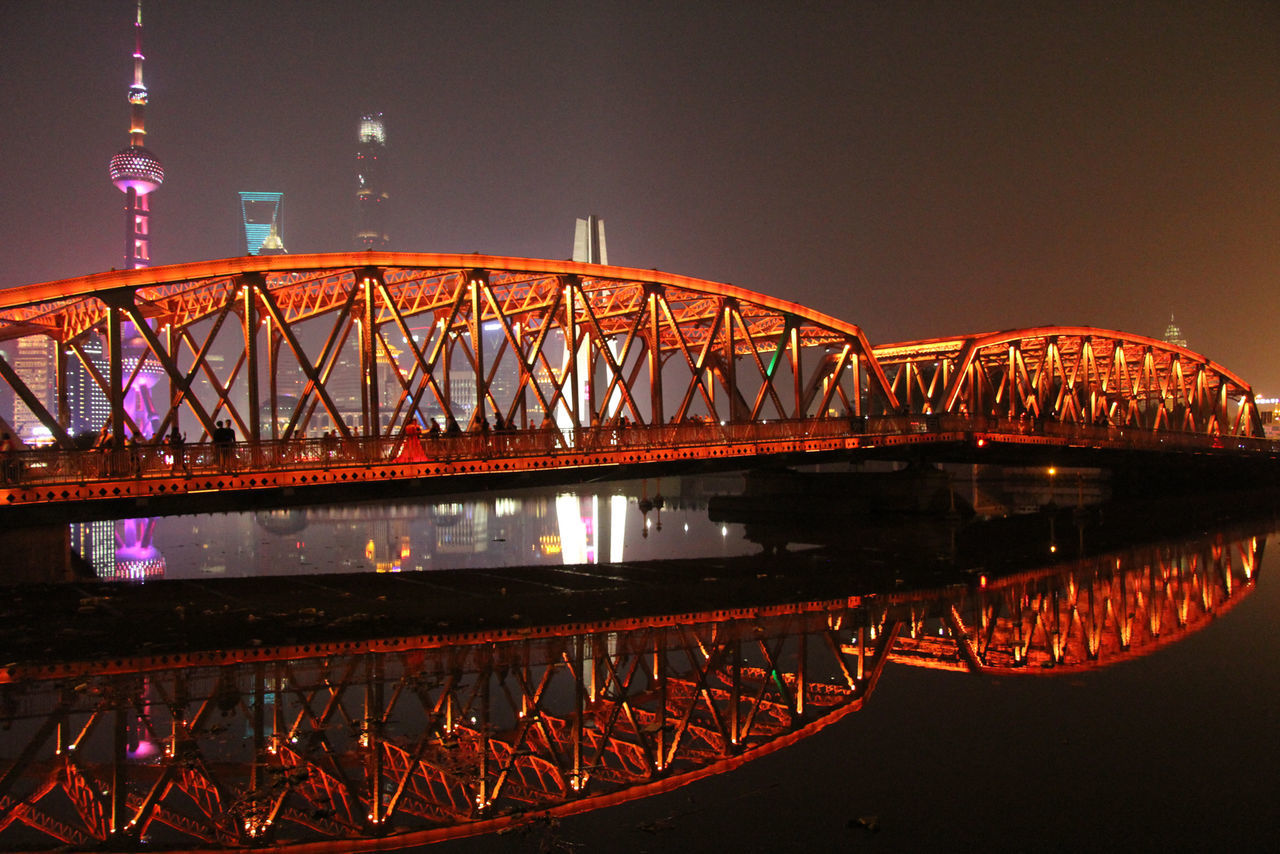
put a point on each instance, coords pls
(1073, 375)
(365, 344)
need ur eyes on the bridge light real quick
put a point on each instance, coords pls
(981, 442)
(1052, 471)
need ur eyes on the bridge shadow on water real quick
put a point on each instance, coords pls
(367, 712)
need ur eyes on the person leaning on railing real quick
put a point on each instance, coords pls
(178, 451)
(10, 465)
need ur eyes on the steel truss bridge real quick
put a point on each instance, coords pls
(537, 365)
(362, 744)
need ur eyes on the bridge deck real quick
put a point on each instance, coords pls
(54, 477)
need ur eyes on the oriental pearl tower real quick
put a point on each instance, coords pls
(134, 170)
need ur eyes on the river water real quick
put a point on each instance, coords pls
(1136, 709)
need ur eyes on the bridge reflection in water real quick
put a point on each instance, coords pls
(408, 740)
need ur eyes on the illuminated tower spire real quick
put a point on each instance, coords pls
(1173, 334)
(134, 170)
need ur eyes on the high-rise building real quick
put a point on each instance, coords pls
(33, 362)
(262, 215)
(86, 401)
(588, 241)
(1173, 334)
(371, 190)
(589, 248)
(134, 170)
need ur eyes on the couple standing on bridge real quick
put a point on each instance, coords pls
(224, 440)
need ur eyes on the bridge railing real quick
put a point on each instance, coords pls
(52, 465)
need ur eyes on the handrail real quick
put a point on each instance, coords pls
(51, 465)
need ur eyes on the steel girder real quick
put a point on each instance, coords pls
(446, 739)
(1075, 375)
(367, 342)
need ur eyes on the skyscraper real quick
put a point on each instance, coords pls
(1173, 334)
(85, 398)
(34, 361)
(262, 215)
(371, 191)
(588, 247)
(588, 241)
(135, 171)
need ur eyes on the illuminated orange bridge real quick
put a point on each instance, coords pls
(336, 370)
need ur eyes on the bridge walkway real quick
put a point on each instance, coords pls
(53, 476)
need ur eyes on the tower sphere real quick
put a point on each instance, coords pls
(135, 167)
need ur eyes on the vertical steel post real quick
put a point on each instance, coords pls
(571, 350)
(795, 366)
(730, 363)
(475, 282)
(249, 318)
(369, 355)
(115, 368)
(655, 360)
(447, 363)
(61, 365)
(273, 370)
(171, 347)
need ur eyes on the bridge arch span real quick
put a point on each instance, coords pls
(365, 343)
(1071, 374)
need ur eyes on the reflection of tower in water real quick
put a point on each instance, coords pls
(584, 536)
(461, 528)
(123, 550)
(389, 546)
(137, 557)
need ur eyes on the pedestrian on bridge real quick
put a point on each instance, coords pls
(412, 450)
(224, 440)
(178, 451)
(10, 467)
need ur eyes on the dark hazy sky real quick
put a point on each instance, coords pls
(920, 169)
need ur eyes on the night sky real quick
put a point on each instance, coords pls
(920, 169)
